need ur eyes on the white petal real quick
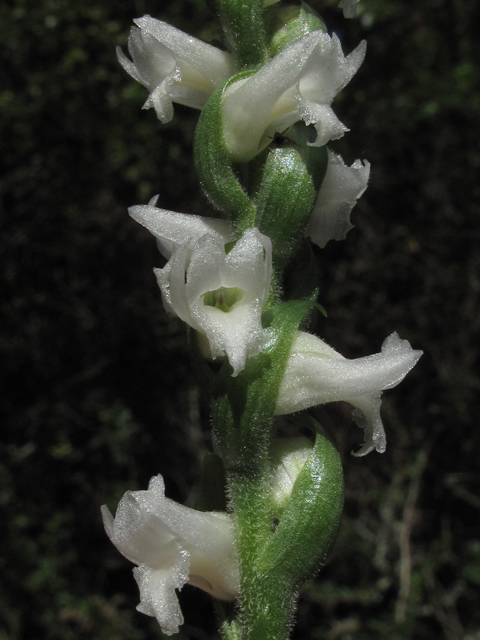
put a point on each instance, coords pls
(214, 65)
(173, 229)
(341, 187)
(327, 125)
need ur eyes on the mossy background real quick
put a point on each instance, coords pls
(97, 390)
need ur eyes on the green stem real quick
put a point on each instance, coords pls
(242, 413)
(244, 28)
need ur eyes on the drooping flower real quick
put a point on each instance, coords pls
(340, 190)
(219, 294)
(173, 66)
(349, 8)
(317, 374)
(297, 84)
(172, 546)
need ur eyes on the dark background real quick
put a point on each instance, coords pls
(97, 391)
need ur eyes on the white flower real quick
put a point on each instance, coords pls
(219, 294)
(317, 374)
(349, 8)
(297, 84)
(340, 190)
(172, 546)
(173, 66)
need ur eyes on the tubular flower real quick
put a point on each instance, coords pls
(297, 84)
(219, 294)
(340, 190)
(172, 546)
(173, 66)
(317, 374)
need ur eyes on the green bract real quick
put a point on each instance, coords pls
(215, 170)
(309, 524)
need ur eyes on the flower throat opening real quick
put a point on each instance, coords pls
(223, 298)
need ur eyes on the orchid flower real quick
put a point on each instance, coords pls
(172, 546)
(340, 190)
(317, 374)
(219, 294)
(173, 66)
(297, 84)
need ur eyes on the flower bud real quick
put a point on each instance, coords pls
(289, 456)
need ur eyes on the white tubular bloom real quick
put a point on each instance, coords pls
(340, 190)
(297, 84)
(173, 66)
(317, 374)
(218, 294)
(349, 8)
(172, 546)
(221, 295)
